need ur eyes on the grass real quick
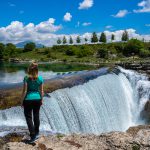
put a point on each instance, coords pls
(61, 57)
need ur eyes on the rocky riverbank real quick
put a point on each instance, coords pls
(138, 66)
(135, 138)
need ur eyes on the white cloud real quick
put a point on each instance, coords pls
(18, 32)
(86, 4)
(44, 33)
(121, 13)
(108, 27)
(147, 25)
(67, 17)
(144, 7)
(86, 24)
(47, 26)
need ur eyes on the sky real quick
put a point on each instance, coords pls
(43, 21)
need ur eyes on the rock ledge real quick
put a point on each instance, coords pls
(135, 138)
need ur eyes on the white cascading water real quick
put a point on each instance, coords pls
(141, 90)
(108, 103)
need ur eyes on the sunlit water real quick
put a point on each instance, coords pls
(16, 77)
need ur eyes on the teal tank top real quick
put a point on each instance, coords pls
(33, 88)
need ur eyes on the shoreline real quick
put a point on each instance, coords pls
(141, 66)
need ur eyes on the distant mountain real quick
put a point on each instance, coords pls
(22, 44)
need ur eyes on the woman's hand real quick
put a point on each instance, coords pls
(22, 104)
(24, 90)
(41, 102)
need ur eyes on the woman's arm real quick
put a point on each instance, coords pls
(24, 90)
(41, 91)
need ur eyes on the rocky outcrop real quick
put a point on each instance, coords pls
(135, 138)
(138, 66)
(145, 114)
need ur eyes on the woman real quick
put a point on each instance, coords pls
(32, 97)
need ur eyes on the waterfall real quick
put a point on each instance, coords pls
(141, 90)
(108, 103)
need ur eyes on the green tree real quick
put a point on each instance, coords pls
(59, 41)
(125, 36)
(103, 38)
(2, 49)
(144, 53)
(85, 39)
(133, 46)
(29, 47)
(94, 38)
(143, 40)
(10, 50)
(112, 37)
(64, 40)
(102, 53)
(70, 51)
(78, 40)
(71, 40)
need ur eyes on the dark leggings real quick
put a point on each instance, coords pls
(32, 107)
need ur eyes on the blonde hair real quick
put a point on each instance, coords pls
(33, 70)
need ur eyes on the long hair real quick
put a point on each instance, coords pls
(33, 70)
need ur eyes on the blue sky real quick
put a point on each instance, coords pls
(83, 15)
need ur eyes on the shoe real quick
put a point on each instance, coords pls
(33, 139)
(37, 135)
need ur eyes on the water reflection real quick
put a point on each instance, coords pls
(15, 72)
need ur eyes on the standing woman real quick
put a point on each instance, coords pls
(32, 97)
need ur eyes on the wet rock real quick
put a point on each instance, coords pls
(134, 130)
(145, 114)
(143, 138)
(136, 65)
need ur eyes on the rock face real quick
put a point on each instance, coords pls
(146, 112)
(138, 66)
(135, 138)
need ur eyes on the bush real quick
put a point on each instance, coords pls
(70, 52)
(29, 47)
(144, 53)
(83, 51)
(10, 50)
(47, 51)
(119, 47)
(60, 48)
(133, 46)
(2, 49)
(49, 54)
(102, 53)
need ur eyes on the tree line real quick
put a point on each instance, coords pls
(94, 38)
(100, 50)
(10, 50)
(132, 47)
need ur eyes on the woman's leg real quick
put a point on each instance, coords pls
(36, 111)
(28, 108)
